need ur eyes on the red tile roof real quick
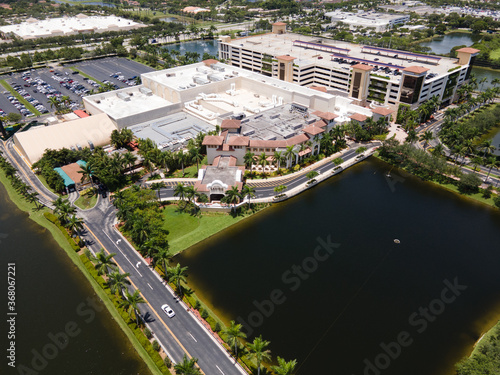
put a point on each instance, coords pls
(286, 58)
(238, 141)
(313, 130)
(230, 124)
(358, 117)
(382, 111)
(468, 50)
(210, 62)
(306, 151)
(362, 67)
(279, 24)
(213, 140)
(415, 69)
(81, 113)
(325, 115)
(318, 88)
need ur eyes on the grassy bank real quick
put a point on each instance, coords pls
(20, 98)
(37, 216)
(185, 229)
(88, 199)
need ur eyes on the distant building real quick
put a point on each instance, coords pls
(379, 22)
(33, 28)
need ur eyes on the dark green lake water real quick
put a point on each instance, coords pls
(53, 301)
(344, 309)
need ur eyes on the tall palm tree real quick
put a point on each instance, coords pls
(234, 334)
(232, 196)
(249, 160)
(426, 138)
(487, 147)
(491, 163)
(118, 282)
(131, 303)
(129, 160)
(259, 352)
(278, 158)
(55, 103)
(289, 154)
(32, 197)
(195, 155)
(263, 161)
(180, 191)
(103, 262)
(187, 367)
(181, 158)
(248, 191)
(191, 193)
(411, 137)
(284, 367)
(177, 275)
(86, 172)
(74, 224)
(163, 256)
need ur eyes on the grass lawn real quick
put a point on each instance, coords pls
(20, 98)
(187, 230)
(75, 69)
(495, 54)
(189, 172)
(87, 200)
(37, 216)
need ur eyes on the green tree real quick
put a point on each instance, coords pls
(259, 352)
(312, 176)
(233, 335)
(284, 367)
(104, 263)
(118, 282)
(248, 192)
(187, 367)
(178, 275)
(131, 303)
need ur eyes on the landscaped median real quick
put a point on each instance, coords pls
(20, 98)
(75, 69)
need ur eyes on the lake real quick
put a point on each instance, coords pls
(442, 45)
(54, 300)
(201, 46)
(322, 278)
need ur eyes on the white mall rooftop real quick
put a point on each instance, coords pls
(34, 28)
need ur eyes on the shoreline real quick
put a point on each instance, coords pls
(40, 220)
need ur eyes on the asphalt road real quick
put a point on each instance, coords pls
(101, 69)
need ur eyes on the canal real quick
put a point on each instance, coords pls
(322, 277)
(53, 300)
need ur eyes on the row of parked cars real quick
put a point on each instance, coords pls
(128, 81)
(69, 83)
(39, 85)
(2, 112)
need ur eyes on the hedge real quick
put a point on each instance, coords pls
(139, 334)
(53, 219)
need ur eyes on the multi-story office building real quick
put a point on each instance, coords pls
(379, 22)
(362, 73)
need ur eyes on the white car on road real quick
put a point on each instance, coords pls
(168, 310)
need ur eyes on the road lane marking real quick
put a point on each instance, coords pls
(192, 337)
(219, 370)
(150, 286)
(120, 250)
(147, 302)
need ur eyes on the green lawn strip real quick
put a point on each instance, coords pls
(75, 69)
(37, 216)
(86, 201)
(186, 230)
(20, 98)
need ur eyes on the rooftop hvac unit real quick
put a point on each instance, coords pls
(200, 80)
(248, 132)
(310, 120)
(214, 77)
(218, 67)
(295, 126)
(123, 96)
(146, 91)
(170, 75)
(299, 107)
(274, 115)
(201, 70)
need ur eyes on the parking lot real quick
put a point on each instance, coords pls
(104, 70)
(38, 86)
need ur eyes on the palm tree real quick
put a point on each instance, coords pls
(118, 282)
(32, 197)
(157, 186)
(278, 158)
(191, 193)
(284, 367)
(248, 191)
(233, 334)
(426, 137)
(411, 137)
(487, 147)
(104, 262)
(163, 256)
(279, 190)
(131, 303)
(129, 160)
(54, 103)
(249, 160)
(180, 191)
(263, 161)
(232, 196)
(194, 155)
(74, 224)
(187, 367)
(259, 352)
(495, 82)
(438, 150)
(289, 154)
(86, 172)
(177, 275)
(181, 158)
